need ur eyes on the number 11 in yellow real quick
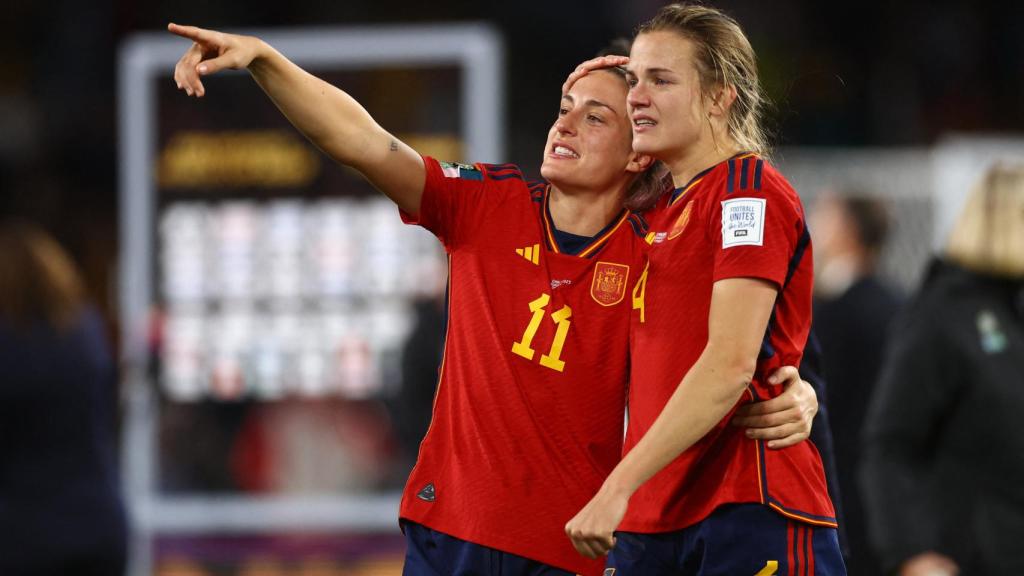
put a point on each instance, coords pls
(561, 318)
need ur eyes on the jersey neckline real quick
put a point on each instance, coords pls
(587, 250)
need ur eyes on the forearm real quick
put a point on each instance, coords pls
(340, 126)
(334, 121)
(739, 313)
(740, 308)
(704, 397)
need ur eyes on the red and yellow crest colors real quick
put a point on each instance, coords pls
(682, 221)
(609, 284)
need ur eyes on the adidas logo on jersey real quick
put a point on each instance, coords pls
(531, 253)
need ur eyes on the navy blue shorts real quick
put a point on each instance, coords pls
(738, 539)
(432, 553)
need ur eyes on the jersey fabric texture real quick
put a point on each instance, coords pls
(735, 539)
(738, 219)
(528, 416)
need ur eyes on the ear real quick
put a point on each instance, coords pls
(639, 162)
(721, 100)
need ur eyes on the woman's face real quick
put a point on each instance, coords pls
(665, 99)
(588, 144)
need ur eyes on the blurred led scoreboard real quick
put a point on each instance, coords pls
(279, 273)
(257, 272)
(285, 297)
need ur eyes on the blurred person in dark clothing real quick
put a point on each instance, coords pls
(853, 309)
(421, 362)
(422, 351)
(60, 508)
(943, 453)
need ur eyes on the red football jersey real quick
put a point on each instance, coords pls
(738, 219)
(528, 415)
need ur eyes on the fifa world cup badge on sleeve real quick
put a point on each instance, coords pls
(743, 222)
(609, 284)
(460, 170)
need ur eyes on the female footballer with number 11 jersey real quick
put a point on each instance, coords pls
(529, 410)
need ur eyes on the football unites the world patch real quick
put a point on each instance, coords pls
(460, 170)
(743, 222)
(609, 284)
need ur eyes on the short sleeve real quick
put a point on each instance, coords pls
(755, 234)
(450, 190)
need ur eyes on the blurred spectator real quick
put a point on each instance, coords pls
(852, 312)
(60, 509)
(421, 361)
(943, 453)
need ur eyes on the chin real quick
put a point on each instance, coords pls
(559, 178)
(547, 172)
(644, 144)
(649, 146)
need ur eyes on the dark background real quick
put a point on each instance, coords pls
(840, 74)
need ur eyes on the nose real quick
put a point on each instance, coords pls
(637, 96)
(566, 124)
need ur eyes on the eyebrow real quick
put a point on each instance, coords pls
(651, 71)
(590, 102)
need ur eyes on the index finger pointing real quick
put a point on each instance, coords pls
(191, 32)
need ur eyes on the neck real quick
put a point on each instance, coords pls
(708, 151)
(584, 212)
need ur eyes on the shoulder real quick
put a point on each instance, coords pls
(764, 178)
(749, 175)
(751, 179)
(478, 171)
(491, 179)
(944, 301)
(501, 172)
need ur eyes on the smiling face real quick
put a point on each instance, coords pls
(666, 99)
(588, 146)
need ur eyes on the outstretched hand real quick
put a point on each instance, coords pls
(591, 65)
(786, 419)
(211, 52)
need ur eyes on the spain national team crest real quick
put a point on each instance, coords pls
(682, 221)
(609, 285)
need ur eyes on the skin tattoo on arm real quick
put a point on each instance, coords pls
(394, 146)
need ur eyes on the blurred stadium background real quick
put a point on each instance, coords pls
(262, 298)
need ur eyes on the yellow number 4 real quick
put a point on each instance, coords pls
(770, 568)
(560, 318)
(638, 293)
